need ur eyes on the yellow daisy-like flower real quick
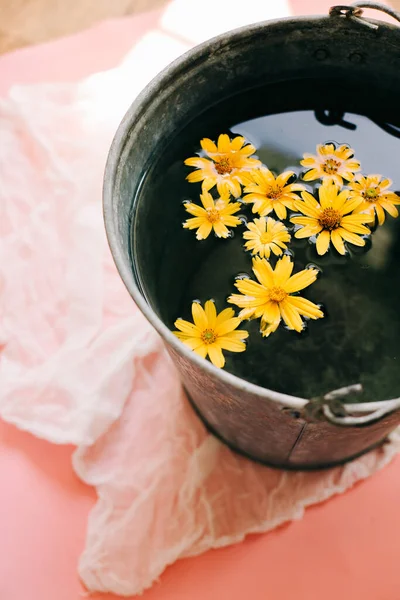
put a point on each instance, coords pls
(266, 235)
(271, 297)
(335, 218)
(216, 215)
(268, 193)
(212, 333)
(331, 164)
(375, 196)
(230, 159)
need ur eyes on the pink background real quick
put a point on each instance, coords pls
(347, 547)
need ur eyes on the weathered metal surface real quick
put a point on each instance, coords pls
(261, 423)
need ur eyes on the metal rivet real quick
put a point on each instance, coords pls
(321, 54)
(292, 413)
(356, 57)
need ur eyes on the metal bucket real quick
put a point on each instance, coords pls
(274, 428)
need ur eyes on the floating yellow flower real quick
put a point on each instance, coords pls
(335, 218)
(269, 193)
(271, 297)
(212, 333)
(217, 215)
(375, 196)
(266, 235)
(229, 161)
(331, 164)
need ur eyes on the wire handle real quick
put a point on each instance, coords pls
(354, 12)
(350, 414)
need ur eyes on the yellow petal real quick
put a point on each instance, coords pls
(380, 214)
(323, 240)
(224, 315)
(355, 228)
(194, 209)
(237, 334)
(390, 208)
(310, 161)
(306, 232)
(195, 176)
(215, 352)
(232, 185)
(309, 221)
(247, 150)
(211, 313)
(237, 143)
(199, 316)
(231, 221)
(283, 271)
(283, 177)
(224, 143)
(350, 205)
(325, 149)
(187, 328)
(270, 312)
(263, 271)
(208, 183)
(268, 328)
(208, 145)
(227, 326)
(233, 345)
(305, 307)
(204, 230)
(198, 162)
(312, 174)
(248, 287)
(207, 200)
(193, 343)
(351, 237)
(301, 280)
(193, 223)
(221, 230)
(244, 302)
(337, 241)
(201, 350)
(280, 210)
(291, 316)
(327, 194)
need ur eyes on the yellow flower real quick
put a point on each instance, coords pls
(270, 298)
(216, 215)
(375, 196)
(212, 333)
(229, 161)
(266, 235)
(269, 193)
(331, 164)
(335, 218)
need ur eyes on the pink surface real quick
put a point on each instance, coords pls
(347, 547)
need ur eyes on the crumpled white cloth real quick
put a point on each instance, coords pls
(81, 365)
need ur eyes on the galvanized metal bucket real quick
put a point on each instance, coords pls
(274, 428)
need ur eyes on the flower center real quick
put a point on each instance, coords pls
(223, 166)
(371, 194)
(265, 238)
(208, 336)
(213, 215)
(274, 192)
(330, 166)
(330, 219)
(277, 294)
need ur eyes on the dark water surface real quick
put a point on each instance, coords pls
(358, 339)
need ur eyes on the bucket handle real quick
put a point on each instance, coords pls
(354, 12)
(350, 414)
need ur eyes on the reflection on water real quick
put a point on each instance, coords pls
(358, 339)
